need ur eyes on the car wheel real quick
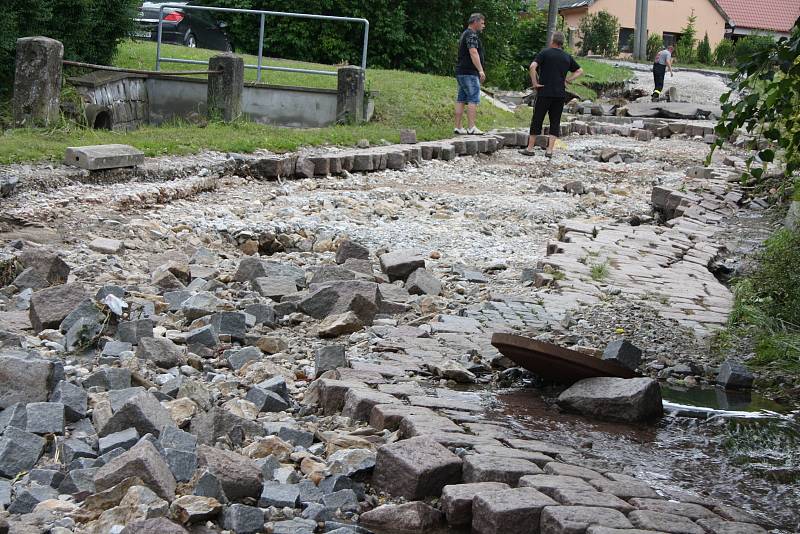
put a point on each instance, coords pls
(190, 40)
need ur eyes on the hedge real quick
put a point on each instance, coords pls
(89, 29)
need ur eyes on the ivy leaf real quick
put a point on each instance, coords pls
(767, 155)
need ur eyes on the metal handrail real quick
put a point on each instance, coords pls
(138, 71)
(263, 14)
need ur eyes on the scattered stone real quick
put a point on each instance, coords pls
(487, 468)
(410, 517)
(45, 418)
(559, 519)
(400, 264)
(19, 451)
(243, 519)
(617, 399)
(341, 324)
(493, 512)
(734, 375)
(143, 461)
(162, 351)
(190, 509)
(106, 246)
(422, 282)
(624, 353)
(457, 500)
(52, 305)
(25, 380)
(239, 476)
(415, 468)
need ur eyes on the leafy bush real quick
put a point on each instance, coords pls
(704, 51)
(724, 53)
(777, 281)
(684, 48)
(769, 82)
(749, 45)
(404, 34)
(600, 33)
(654, 45)
(89, 29)
(528, 39)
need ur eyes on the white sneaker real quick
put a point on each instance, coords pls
(474, 131)
(460, 131)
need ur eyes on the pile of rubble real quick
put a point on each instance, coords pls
(170, 406)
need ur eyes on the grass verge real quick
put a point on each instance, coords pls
(766, 311)
(402, 100)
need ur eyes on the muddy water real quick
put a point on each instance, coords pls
(750, 463)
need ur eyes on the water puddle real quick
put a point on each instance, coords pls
(744, 453)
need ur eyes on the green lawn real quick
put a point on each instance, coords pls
(403, 100)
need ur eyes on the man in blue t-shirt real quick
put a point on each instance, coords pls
(550, 72)
(470, 74)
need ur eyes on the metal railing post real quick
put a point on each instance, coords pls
(260, 48)
(158, 42)
(364, 52)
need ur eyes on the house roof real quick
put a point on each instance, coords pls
(768, 15)
(566, 4)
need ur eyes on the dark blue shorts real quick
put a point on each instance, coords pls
(469, 89)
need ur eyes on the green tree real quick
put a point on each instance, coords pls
(685, 46)
(416, 35)
(704, 51)
(768, 83)
(752, 44)
(89, 29)
(528, 39)
(600, 33)
(655, 42)
(724, 53)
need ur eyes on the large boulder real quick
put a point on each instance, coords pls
(52, 305)
(615, 399)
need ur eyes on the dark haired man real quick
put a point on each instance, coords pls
(550, 72)
(469, 74)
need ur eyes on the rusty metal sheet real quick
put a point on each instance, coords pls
(556, 363)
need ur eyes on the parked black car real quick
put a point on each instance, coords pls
(190, 27)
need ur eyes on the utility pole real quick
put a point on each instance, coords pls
(643, 31)
(637, 30)
(552, 19)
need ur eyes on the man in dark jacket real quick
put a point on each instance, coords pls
(550, 72)
(469, 74)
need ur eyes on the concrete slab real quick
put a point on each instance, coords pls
(98, 157)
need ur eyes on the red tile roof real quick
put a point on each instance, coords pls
(771, 15)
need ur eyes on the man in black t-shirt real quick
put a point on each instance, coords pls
(550, 72)
(469, 74)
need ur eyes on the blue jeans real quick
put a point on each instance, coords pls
(469, 89)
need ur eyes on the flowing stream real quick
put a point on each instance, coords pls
(744, 452)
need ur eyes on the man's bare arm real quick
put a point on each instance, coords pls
(476, 61)
(575, 75)
(535, 76)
